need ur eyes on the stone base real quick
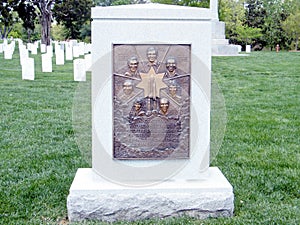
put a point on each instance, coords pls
(226, 50)
(92, 197)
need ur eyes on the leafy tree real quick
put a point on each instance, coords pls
(276, 12)
(28, 15)
(58, 32)
(232, 12)
(246, 34)
(7, 17)
(292, 27)
(255, 13)
(73, 14)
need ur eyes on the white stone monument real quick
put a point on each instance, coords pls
(49, 50)
(9, 51)
(59, 55)
(69, 51)
(28, 69)
(24, 55)
(88, 62)
(220, 45)
(79, 70)
(46, 63)
(157, 180)
(76, 51)
(43, 48)
(248, 48)
(81, 48)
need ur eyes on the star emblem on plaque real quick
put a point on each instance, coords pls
(151, 105)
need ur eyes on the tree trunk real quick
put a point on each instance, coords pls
(44, 7)
(46, 26)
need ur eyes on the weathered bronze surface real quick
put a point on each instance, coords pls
(151, 90)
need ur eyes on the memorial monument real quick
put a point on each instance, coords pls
(151, 90)
(220, 45)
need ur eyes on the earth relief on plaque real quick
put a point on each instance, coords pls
(151, 105)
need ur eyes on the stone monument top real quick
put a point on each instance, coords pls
(151, 11)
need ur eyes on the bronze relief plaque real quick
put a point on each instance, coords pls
(151, 105)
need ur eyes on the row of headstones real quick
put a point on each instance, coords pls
(63, 51)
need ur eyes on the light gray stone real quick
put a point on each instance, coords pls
(43, 48)
(69, 51)
(114, 190)
(88, 62)
(46, 63)
(76, 51)
(79, 70)
(28, 69)
(59, 56)
(8, 51)
(161, 23)
(92, 197)
(248, 48)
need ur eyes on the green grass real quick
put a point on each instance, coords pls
(259, 154)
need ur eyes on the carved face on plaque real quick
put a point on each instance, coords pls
(151, 90)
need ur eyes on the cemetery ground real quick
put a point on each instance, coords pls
(259, 154)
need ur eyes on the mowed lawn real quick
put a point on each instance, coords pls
(41, 146)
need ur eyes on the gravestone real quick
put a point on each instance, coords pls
(43, 48)
(69, 51)
(79, 70)
(88, 62)
(24, 55)
(87, 48)
(76, 51)
(150, 118)
(49, 50)
(46, 63)
(34, 48)
(59, 54)
(8, 51)
(81, 48)
(248, 48)
(28, 69)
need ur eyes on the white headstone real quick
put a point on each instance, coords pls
(88, 62)
(34, 48)
(23, 54)
(43, 48)
(28, 69)
(5, 42)
(79, 70)
(87, 48)
(142, 186)
(81, 48)
(8, 51)
(49, 50)
(69, 51)
(76, 51)
(46, 63)
(59, 56)
(248, 48)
